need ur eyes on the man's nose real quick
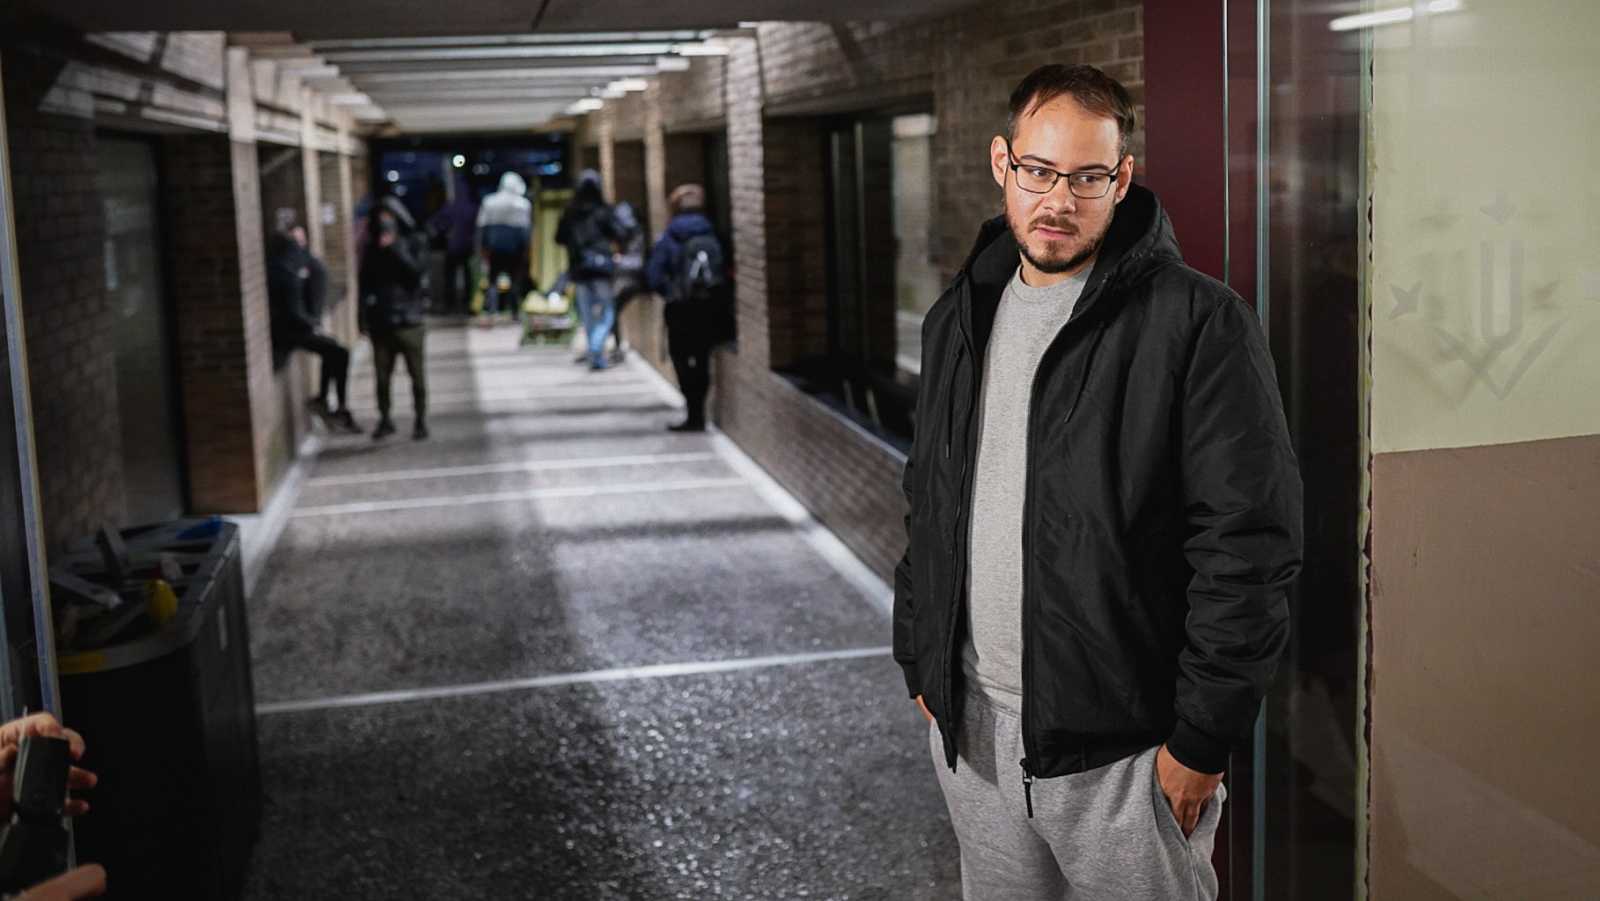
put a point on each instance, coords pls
(1059, 199)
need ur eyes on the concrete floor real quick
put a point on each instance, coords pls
(448, 641)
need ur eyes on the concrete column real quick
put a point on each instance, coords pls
(608, 151)
(655, 159)
(347, 203)
(748, 190)
(309, 143)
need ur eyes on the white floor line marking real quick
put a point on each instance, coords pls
(440, 472)
(872, 587)
(822, 540)
(620, 674)
(496, 497)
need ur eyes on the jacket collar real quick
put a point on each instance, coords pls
(1140, 234)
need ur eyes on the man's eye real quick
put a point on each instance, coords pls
(1040, 173)
(1089, 179)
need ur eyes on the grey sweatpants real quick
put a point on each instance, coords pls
(1108, 834)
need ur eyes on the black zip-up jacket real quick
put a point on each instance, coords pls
(1161, 525)
(392, 280)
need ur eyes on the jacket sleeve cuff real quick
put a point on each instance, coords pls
(913, 681)
(1197, 750)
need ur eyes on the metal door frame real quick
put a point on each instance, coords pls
(28, 472)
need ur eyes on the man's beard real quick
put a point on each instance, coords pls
(1054, 266)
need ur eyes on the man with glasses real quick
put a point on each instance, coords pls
(1104, 522)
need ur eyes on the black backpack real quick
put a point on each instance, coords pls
(702, 273)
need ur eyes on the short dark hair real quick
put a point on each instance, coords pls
(1094, 90)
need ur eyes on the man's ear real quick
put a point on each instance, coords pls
(1124, 177)
(999, 160)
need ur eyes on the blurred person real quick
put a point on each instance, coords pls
(588, 230)
(1104, 521)
(457, 222)
(88, 880)
(297, 288)
(688, 270)
(629, 281)
(393, 312)
(505, 232)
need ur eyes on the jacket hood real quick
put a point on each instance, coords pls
(512, 183)
(688, 225)
(1140, 235)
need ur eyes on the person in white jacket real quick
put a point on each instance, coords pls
(505, 231)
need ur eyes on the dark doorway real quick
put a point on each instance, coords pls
(129, 185)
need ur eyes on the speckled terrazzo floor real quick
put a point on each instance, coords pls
(479, 556)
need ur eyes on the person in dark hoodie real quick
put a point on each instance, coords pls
(1104, 522)
(457, 222)
(588, 230)
(297, 286)
(393, 309)
(688, 270)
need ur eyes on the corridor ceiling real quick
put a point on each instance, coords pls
(471, 65)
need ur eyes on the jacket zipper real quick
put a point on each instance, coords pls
(1027, 635)
(1029, 742)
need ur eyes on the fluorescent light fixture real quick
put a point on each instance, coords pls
(712, 47)
(629, 84)
(525, 73)
(587, 105)
(610, 94)
(672, 64)
(457, 54)
(355, 98)
(1396, 16)
(313, 73)
(749, 24)
(508, 40)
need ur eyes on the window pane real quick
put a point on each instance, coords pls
(917, 283)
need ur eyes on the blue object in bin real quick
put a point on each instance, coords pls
(207, 529)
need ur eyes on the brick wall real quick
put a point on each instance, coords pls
(696, 98)
(684, 160)
(980, 58)
(339, 250)
(629, 177)
(797, 266)
(211, 342)
(843, 65)
(61, 260)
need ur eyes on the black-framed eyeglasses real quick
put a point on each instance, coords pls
(1088, 184)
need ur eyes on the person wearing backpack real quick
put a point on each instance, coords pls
(588, 230)
(688, 269)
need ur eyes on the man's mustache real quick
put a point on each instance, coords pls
(1063, 225)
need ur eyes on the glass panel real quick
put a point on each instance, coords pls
(844, 325)
(1295, 211)
(152, 477)
(916, 280)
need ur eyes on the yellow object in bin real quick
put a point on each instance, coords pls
(552, 304)
(160, 601)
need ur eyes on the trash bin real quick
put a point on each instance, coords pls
(168, 712)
